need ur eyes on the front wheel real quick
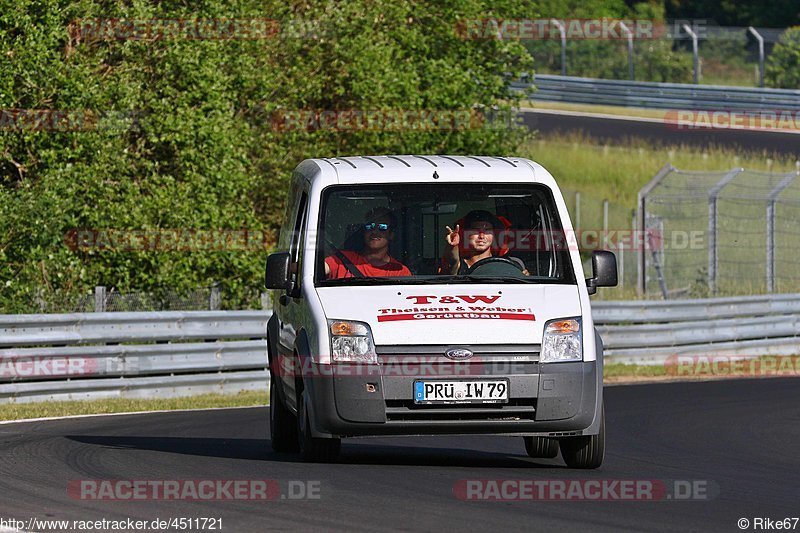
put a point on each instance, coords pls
(585, 451)
(541, 447)
(282, 423)
(314, 449)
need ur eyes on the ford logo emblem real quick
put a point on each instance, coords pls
(458, 353)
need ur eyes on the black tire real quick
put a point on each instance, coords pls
(587, 451)
(314, 449)
(282, 423)
(541, 447)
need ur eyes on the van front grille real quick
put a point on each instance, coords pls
(515, 410)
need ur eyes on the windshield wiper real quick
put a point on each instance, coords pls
(496, 279)
(440, 280)
(385, 280)
(433, 280)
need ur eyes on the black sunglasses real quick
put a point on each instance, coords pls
(380, 226)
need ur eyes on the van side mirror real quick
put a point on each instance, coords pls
(277, 274)
(604, 270)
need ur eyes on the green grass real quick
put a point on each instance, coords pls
(18, 411)
(617, 172)
(708, 367)
(736, 74)
(639, 112)
(615, 371)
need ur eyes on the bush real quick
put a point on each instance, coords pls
(654, 60)
(200, 151)
(783, 65)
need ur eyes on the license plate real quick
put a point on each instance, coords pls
(431, 392)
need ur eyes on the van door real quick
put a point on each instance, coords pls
(290, 315)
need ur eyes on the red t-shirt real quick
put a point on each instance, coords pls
(338, 270)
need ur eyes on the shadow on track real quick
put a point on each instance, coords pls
(358, 453)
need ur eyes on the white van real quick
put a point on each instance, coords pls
(431, 295)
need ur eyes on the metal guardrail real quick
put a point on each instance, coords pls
(131, 355)
(650, 332)
(571, 89)
(158, 355)
(658, 311)
(87, 328)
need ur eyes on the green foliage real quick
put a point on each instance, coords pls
(654, 59)
(658, 60)
(200, 151)
(783, 65)
(585, 8)
(763, 13)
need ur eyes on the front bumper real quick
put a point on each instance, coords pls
(554, 399)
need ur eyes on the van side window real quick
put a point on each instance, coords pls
(298, 233)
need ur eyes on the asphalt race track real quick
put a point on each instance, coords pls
(738, 438)
(621, 129)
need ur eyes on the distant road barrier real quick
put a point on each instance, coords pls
(157, 355)
(651, 331)
(577, 90)
(131, 355)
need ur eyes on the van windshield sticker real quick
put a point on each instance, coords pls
(428, 307)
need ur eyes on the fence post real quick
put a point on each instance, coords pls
(605, 224)
(577, 211)
(215, 298)
(100, 299)
(629, 34)
(266, 302)
(641, 239)
(771, 201)
(563, 32)
(695, 54)
(760, 40)
(712, 227)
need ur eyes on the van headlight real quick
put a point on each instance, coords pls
(562, 341)
(352, 342)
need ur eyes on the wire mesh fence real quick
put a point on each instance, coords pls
(109, 299)
(727, 55)
(603, 225)
(719, 233)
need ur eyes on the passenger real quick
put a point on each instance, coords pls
(480, 229)
(373, 260)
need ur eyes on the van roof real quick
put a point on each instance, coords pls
(403, 168)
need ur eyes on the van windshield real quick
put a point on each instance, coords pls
(440, 233)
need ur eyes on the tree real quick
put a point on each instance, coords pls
(765, 13)
(179, 133)
(783, 65)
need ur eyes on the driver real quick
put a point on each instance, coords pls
(373, 260)
(480, 228)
